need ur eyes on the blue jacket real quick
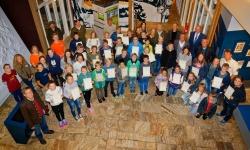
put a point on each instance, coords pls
(195, 45)
(72, 45)
(54, 64)
(130, 46)
(226, 80)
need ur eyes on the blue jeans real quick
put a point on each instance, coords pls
(42, 126)
(29, 84)
(74, 104)
(186, 97)
(18, 95)
(121, 88)
(172, 90)
(143, 82)
(132, 83)
(157, 63)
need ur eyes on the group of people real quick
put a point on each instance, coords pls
(120, 60)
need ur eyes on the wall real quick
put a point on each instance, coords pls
(10, 44)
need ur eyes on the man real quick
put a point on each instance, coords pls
(52, 30)
(173, 34)
(32, 109)
(233, 65)
(160, 33)
(180, 43)
(78, 28)
(207, 51)
(195, 39)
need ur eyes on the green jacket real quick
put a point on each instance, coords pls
(80, 32)
(80, 79)
(136, 64)
(99, 84)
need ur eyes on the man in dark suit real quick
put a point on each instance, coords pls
(173, 34)
(195, 39)
(180, 43)
(208, 52)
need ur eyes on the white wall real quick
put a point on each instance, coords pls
(10, 44)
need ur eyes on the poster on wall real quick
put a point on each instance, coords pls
(82, 10)
(248, 53)
(123, 15)
(152, 10)
(239, 47)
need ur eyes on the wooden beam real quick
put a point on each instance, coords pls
(130, 13)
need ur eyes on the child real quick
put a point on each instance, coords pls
(199, 68)
(207, 107)
(123, 57)
(107, 37)
(34, 56)
(68, 69)
(158, 52)
(93, 40)
(110, 70)
(105, 51)
(93, 57)
(122, 74)
(168, 57)
(58, 45)
(175, 81)
(81, 50)
(71, 92)
(147, 44)
(68, 58)
(54, 97)
(85, 76)
(144, 75)
(162, 77)
(133, 69)
(190, 81)
(42, 60)
(135, 47)
(14, 86)
(184, 60)
(42, 76)
(211, 70)
(74, 42)
(79, 63)
(224, 74)
(99, 77)
(119, 47)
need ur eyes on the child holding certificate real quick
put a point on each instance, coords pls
(123, 57)
(144, 75)
(68, 69)
(85, 83)
(122, 74)
(71, 92)
(93, 57)
(80, 61)
(119, 47)
(133, 69)
(54, 97)
(105, 51)
(188, 85)
(234, 94)
(184, 60)
(212, 68)
(99, 77)
(199, 68)
(175, 81)
(158, 52)
(161, 82)
(110, 70)
(93, 40)
(226, 79)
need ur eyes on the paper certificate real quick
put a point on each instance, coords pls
(151, 57)
(135, 49)
(85, 56)
(163, 86)
(78, 43)
(229, 92)
(124, 72)
(176, 78)
(107, 53)
(111, 73)
(217, 81)
(158, 49)
(120, 35)
(94, 61)
(99, 77)
(74, 76)
(195, 71)
(146, 71)
(132, 72)
(125, 40)
(118, 50)
(110, 43)
(195, 97)
(185, 86)
(87, 83)
(182, 64)
(75, 93)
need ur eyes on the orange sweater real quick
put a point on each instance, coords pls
(58, 48)
(34, 59)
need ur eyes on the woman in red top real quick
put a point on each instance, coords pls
(58, 46)
(12, 82)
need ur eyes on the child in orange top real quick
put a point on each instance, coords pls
(34, 56)
(58, 46)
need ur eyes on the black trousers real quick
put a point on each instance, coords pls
(87, 97)
(158, 92)
(111, 83)
(59, 112)
(227, 111)
(58, 79)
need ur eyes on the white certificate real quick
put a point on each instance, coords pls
(99, 77)
(151, 57)
(185, 86)
(229, 92)
(120, 35)
(118, 50)
(182, 64)
(195, 71)
(87, 83)
(111, 73)
(75, 93)
(132, 72)
(74, 76)
(110, 43)
(124, 72)
(146, 71)
(135, 49)
(158, 49)
(107, 53)
(163, 86)
(195, 97)
(125, 40)
(85, 56)
(94, 61)
(78, 43)
(217, 81)
(176, 78)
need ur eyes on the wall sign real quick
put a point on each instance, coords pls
(239, 47)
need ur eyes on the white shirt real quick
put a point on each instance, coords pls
(54, 97)
(233, 66)
(93, 42)
(77, 66)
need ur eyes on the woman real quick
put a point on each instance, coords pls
(68, 58)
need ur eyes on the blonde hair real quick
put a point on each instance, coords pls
(17, 64)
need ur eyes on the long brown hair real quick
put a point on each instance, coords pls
(17, 64)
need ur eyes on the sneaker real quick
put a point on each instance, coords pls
(141, 93)
(61, 124)
(80, 116)
(49, 132)
(218, 114)
(42, 141)
(146, 92)
(103, 99)
(223, 122)
(114, 95)
(65, 122)
(77, 118)
(167, 95)
(100, 101)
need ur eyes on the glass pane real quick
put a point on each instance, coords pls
(44, 17)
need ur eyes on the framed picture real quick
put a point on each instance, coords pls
(239, 47)
(248, 52)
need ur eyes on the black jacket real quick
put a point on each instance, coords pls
(168, 59)
(239, 95)
(208, 52)
(203, 106)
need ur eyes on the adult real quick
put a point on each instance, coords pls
(32, 109)
(53, 29)
(78, 28)
(195, 39)
(160, 32)
(233, 65)
(206, 50)
(180, 43)
(173, 34)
